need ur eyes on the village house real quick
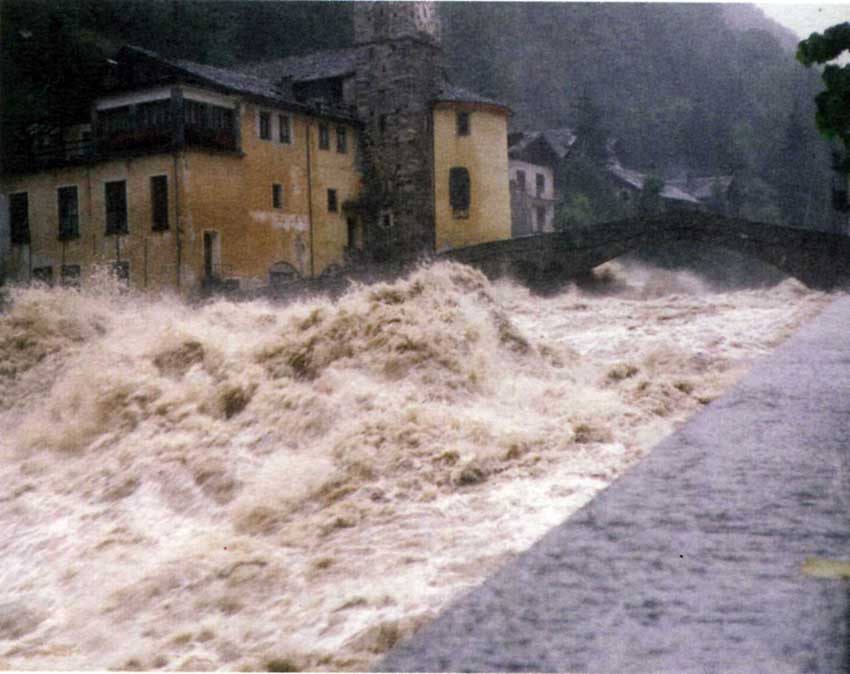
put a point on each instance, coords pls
(708, 193)
(533, 160)
(188, 175)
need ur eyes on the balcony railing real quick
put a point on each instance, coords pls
(221, 139)
(116, 144)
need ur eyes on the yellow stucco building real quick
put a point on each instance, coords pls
(188, 176)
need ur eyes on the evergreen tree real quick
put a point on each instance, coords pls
(591, 134)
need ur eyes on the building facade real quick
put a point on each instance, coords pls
(187, 175)
(534, 158)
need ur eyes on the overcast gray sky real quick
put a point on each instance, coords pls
(805, 19)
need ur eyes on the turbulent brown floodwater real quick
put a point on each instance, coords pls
(244, 486)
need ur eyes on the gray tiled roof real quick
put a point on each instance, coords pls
(559, 141)
(455, 94)
(636, 180)
(704, 187)
(243, 83)
(316, 66)
(222, 77)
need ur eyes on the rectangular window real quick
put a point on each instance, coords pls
(265, 126)
(19, 218)
(341, 140)
(459, 191)
(116, 207)
(541, 218)
(540, 182)
(324, 137)
(69, 216)
(332, 201)
(463, 124)
(277, 195)
(43, 275)
(159, 202)
(71, 275)
(285, 128)
(520, 180)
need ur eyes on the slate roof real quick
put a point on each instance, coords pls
(333, 63)
(704, 187)
(637, 179)
(319, 65)
(238, 82)
(452, 93)
(559, 142)
(221, 77)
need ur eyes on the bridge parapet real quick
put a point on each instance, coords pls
(818, 259)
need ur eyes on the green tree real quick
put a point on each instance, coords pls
(589, 126)
(574, 212)
(833, 104)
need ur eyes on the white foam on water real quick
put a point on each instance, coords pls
(244, 485)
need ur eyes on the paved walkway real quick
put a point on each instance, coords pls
(692, 562)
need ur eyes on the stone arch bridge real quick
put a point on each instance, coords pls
(818, 259)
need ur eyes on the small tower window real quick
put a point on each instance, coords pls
(463, 124)
(332, 201)
(540, 183)
(341, 140)
(324, 137)
(277, 195)
(459, 191)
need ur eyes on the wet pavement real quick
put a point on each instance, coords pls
(693, 561)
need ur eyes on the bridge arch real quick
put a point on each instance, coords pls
(818, 259)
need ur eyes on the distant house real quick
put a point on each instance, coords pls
(533, 158)
(713, 193)
(716, 193)
(629, 183)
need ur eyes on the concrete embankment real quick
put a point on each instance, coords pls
(711, 555)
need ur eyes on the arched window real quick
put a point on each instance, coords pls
(459, 191)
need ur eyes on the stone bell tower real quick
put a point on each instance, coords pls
(398, 71)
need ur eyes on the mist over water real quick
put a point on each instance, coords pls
(228, 485)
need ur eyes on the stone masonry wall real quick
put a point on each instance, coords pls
(395, 84)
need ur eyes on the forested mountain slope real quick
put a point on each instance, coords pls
(701, 88)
